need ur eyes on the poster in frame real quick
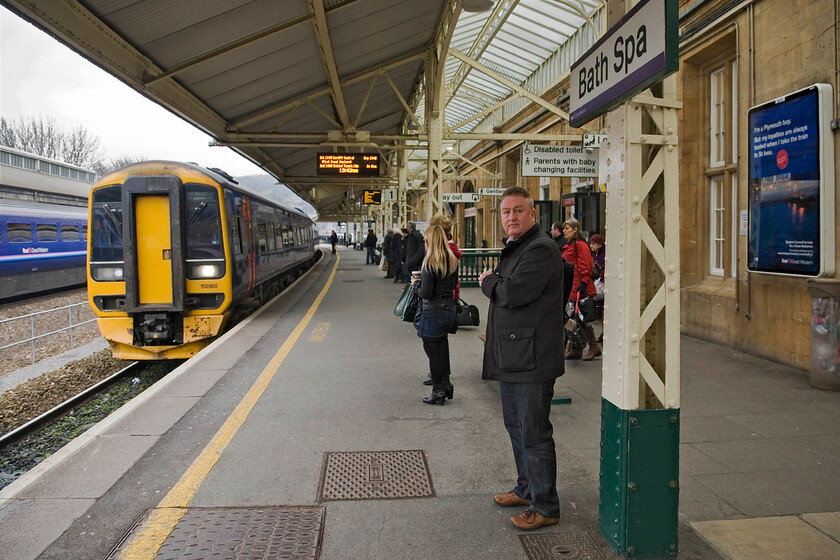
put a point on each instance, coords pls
(791, 185)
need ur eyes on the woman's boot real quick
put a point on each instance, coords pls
(438, 396)
(448, 388)
(592, 340)
(572, 351)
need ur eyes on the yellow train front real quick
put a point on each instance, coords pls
(177, 252)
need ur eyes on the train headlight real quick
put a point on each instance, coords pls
(202, 271)
(107, 273)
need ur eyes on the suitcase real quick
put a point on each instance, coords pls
(466, 314)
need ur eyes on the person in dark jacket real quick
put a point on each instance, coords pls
(387, 253)
(414, 250)
(438, 275)
(521, 352)
(397, 252)
(333, 241)
(370, 247)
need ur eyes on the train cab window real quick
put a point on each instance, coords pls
(19, 233)
(47, 233)
(106, 225)
(205, 251)
(204, 230)
(69, 233)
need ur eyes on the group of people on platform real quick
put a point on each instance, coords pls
(524, 328)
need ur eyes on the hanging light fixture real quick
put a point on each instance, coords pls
(475, 6)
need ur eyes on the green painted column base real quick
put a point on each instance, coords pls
(639, 480)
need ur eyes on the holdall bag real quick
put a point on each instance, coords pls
(586, 309)
(467, 315)
(406, 307)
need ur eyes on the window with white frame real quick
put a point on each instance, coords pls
(717, 112)
(721, 169)
(717, 213)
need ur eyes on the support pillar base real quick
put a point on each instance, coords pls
(639, 480)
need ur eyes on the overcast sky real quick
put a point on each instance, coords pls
(40, 77)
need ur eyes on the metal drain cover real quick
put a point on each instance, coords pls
(242, 534)
(375, 475)
(561, 546)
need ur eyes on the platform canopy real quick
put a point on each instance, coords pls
(281, 81)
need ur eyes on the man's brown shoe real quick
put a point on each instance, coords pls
(530, 519)
(510, 499)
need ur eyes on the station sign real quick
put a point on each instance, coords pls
(539, 160)
(637, 52)
(360, 165)
(389, 195)
(459, 197)
(491, 191)
(371, 197)
(593, 140)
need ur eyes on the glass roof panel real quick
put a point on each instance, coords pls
(519, 38)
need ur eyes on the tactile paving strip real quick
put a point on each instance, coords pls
(375, 475)
(243, 534)
(562, 546)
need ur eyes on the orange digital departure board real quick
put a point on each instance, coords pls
(371, 197)
(360, 165)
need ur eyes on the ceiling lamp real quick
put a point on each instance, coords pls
(476, 5)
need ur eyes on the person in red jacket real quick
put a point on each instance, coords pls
(577, 252)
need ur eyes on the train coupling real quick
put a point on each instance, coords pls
(156, 329)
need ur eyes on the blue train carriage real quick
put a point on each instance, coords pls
(42, 248)
(177, 253)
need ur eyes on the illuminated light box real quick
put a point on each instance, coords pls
(791, 185)
(360, 165)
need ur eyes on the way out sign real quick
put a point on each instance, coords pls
(540, 160)
(633, 55)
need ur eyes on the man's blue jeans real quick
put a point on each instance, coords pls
(526, 408)
(370, 257)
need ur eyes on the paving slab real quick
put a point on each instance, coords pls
(769, 538)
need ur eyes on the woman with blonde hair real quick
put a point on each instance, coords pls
(438, 275)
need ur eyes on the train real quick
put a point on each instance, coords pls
(43, 224)
(42, 248)
(177, 253)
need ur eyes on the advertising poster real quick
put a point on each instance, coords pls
(786, 226)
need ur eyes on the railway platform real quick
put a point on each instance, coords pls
(301, 434)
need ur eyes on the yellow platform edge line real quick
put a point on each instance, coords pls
(148, 539)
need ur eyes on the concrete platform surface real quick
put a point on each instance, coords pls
(302, 433)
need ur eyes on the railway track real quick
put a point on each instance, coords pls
(26, 446)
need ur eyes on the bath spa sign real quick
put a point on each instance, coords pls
(637, 52)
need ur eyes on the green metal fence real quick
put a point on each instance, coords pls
(474, 262)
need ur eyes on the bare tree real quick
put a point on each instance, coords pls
(43, 137)
(103, 168)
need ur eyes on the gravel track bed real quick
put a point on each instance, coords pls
(20, 356)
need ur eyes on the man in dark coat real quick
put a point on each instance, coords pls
(415, 250)
(387, 254)
(522, 352)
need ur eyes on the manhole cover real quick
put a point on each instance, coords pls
(375, 475)
(561, 546)
(242, 534)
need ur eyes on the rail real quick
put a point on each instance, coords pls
(35, 337)
(474, 262)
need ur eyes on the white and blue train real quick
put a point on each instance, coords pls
(43, 224)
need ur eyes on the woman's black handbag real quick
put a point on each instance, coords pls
(406, 307)
(586, 309)
(466, 314)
